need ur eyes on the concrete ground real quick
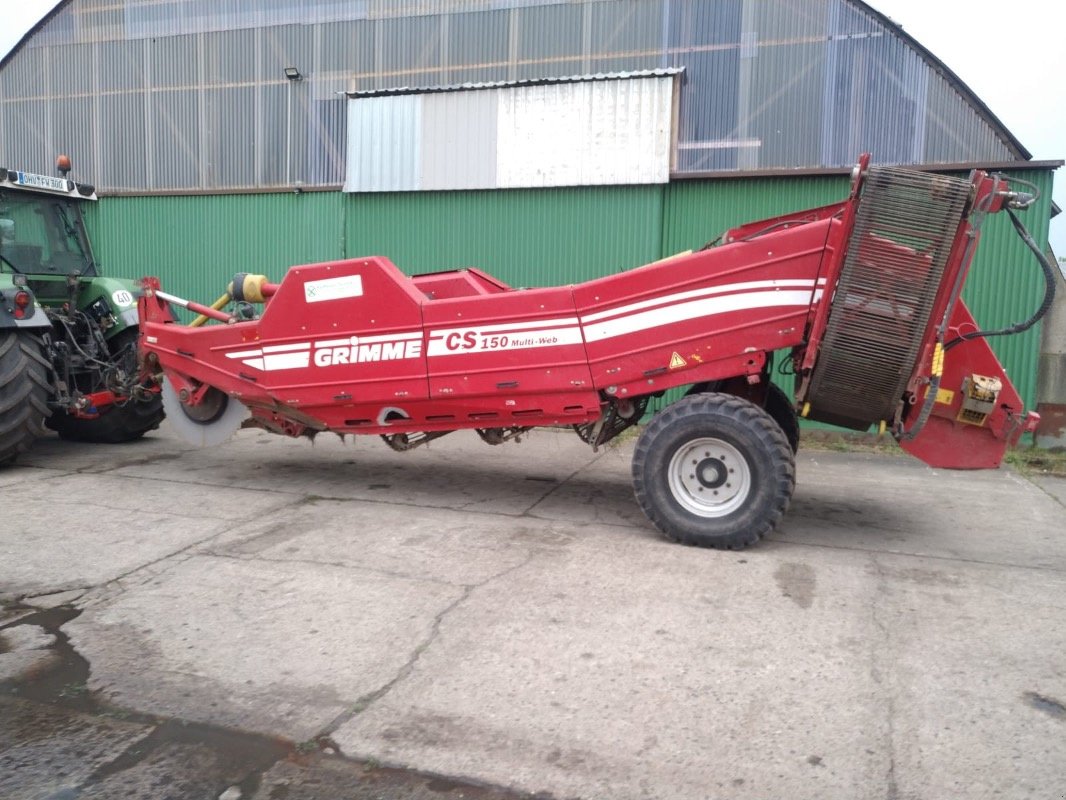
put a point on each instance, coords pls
(504, 621)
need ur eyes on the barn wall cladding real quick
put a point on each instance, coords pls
(218, 132)
(192, 94)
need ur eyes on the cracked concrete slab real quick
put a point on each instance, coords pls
(331, 778)
(15, 480)
(281, 648)
(46, 752)
(98, 528)
(773, 673)
(459, 548)
(1055, 487)
(51, 452)
(966, 647)
(662, 676)
(54, 599)
(120, 496)
(65, 547)
(506, 614)
(446, 474)
(883, 503)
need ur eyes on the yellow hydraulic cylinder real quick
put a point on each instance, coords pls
(218, 305)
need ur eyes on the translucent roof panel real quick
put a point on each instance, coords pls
(160, 95)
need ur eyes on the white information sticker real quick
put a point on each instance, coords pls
(333, 288)
(122, 298)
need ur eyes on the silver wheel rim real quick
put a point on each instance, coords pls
(709, 477)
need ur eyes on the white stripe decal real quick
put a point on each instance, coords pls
(286, 348)
(706, 291)
(286, 360)
(694, 309)
(632, 318)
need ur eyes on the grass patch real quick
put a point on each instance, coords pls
(1033, 461)
(1025, 460)
(836, 441)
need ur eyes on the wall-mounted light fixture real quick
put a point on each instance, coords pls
(293, 74)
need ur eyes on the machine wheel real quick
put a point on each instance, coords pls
(24, 390)
(208, 423)
(780, 408)
(116, 424)
(713, 470)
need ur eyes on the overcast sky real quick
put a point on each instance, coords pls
(1012, 55)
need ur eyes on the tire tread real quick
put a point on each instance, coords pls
(756, 420)
(24, 390)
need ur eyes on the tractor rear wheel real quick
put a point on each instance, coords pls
(117, 423)
(24, 390)
(713, 470)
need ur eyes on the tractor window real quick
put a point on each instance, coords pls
(42, 235)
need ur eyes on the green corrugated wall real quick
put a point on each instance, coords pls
(697, 211)
(523, 237)
(535, 237)
(195, 244)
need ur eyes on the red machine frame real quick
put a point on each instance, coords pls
(355, 346)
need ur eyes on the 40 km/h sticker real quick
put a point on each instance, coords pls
(122, 298)
(460, 341)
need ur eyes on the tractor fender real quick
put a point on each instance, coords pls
(34, 317)
(120, 296)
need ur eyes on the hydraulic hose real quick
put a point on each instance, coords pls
(1045, 305)
(937, 373)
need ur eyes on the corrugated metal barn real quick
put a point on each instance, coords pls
(546, 141)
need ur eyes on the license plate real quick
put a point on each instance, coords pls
(41, 182)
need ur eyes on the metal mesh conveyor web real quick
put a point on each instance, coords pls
(904, 229)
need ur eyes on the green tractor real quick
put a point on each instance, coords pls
(68, 336)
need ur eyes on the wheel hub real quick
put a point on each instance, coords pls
(209, 409)
(709, 477)
(711, 473)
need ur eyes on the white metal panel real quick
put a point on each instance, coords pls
(571, 133)
(582, 134)
(384, 144)
(459, 140)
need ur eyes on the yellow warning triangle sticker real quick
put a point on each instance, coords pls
(676, 361)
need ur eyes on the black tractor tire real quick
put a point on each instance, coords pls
(779, 406)
(117, 423)
(714, 470)
(24, 391)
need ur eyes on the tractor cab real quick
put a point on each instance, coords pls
(68, 335)
(42, 231)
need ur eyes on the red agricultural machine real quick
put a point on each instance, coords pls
(864, 294)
